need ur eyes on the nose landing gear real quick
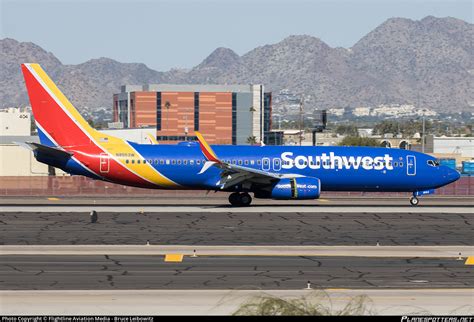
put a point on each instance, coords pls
(414, 201)
(240, 199)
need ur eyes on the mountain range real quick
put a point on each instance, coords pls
(427, 62)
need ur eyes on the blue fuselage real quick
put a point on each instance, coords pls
(338, 168)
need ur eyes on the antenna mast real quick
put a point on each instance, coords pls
(301, 119)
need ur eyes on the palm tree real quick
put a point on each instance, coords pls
(252, 140)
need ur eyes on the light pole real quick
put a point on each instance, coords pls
(167, 105)
(186, 127)
(423, 136)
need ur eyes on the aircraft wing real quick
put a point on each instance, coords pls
(233, 174)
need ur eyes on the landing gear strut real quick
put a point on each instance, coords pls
(240, 199)
(414, 201)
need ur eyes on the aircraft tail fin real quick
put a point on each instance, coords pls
(57, 120)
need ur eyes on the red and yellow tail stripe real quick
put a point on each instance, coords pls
(206, 149)
(58, 117)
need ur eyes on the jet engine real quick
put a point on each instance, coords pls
(296, 188)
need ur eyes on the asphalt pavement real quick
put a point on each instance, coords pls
(229, 272)
(242, 228)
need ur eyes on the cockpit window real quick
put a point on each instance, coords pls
(433, 163)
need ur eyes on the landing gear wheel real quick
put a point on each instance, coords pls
(234, 199)
(245, 199)
(414, 201)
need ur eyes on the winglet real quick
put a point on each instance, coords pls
(206, 149)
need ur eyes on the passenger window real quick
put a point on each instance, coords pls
(138, 161)
(126, 161)
(233, 162)
(259, 162)
(168, 162)
(246, 162)
(161, 162)
(133, 161)
(198, 162)
(173, 161)
(252, 162)
(240, 162)
(179, 161)
(396, 164)
(191, 162)
(401, 164)
(185, 162)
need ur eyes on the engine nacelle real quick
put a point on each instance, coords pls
(297, 188)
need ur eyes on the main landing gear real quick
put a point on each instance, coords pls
(414, 201)
(240, 199)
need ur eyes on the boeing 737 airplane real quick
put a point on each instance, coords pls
(274, 172)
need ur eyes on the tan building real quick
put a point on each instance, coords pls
(225, 114)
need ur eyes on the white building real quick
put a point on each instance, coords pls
(14, 122)
(361, 111)
(365, 133)
(141, 135)
(337, 111)
(463, 146)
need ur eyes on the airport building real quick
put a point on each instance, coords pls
(14, 122)
(225, 114)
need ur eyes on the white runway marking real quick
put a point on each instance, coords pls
(225, 209)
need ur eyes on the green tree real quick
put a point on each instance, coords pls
(359, 141)
(32, 125)
(91, 122)
(252, 140)
(316, 303)
(347, 130)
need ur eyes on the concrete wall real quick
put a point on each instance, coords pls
(454, 145)
(134, 135)
(13, 122)
(19, 161)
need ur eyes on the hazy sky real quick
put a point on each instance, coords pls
(181, 33)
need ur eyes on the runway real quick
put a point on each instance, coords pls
(228, 227)
(226, 302)
(79, 272)
(399, 255)
(283, 208)
(219, 200)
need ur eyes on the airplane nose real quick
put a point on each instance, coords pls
(452, 175)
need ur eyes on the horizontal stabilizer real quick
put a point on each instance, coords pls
(46, 150)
